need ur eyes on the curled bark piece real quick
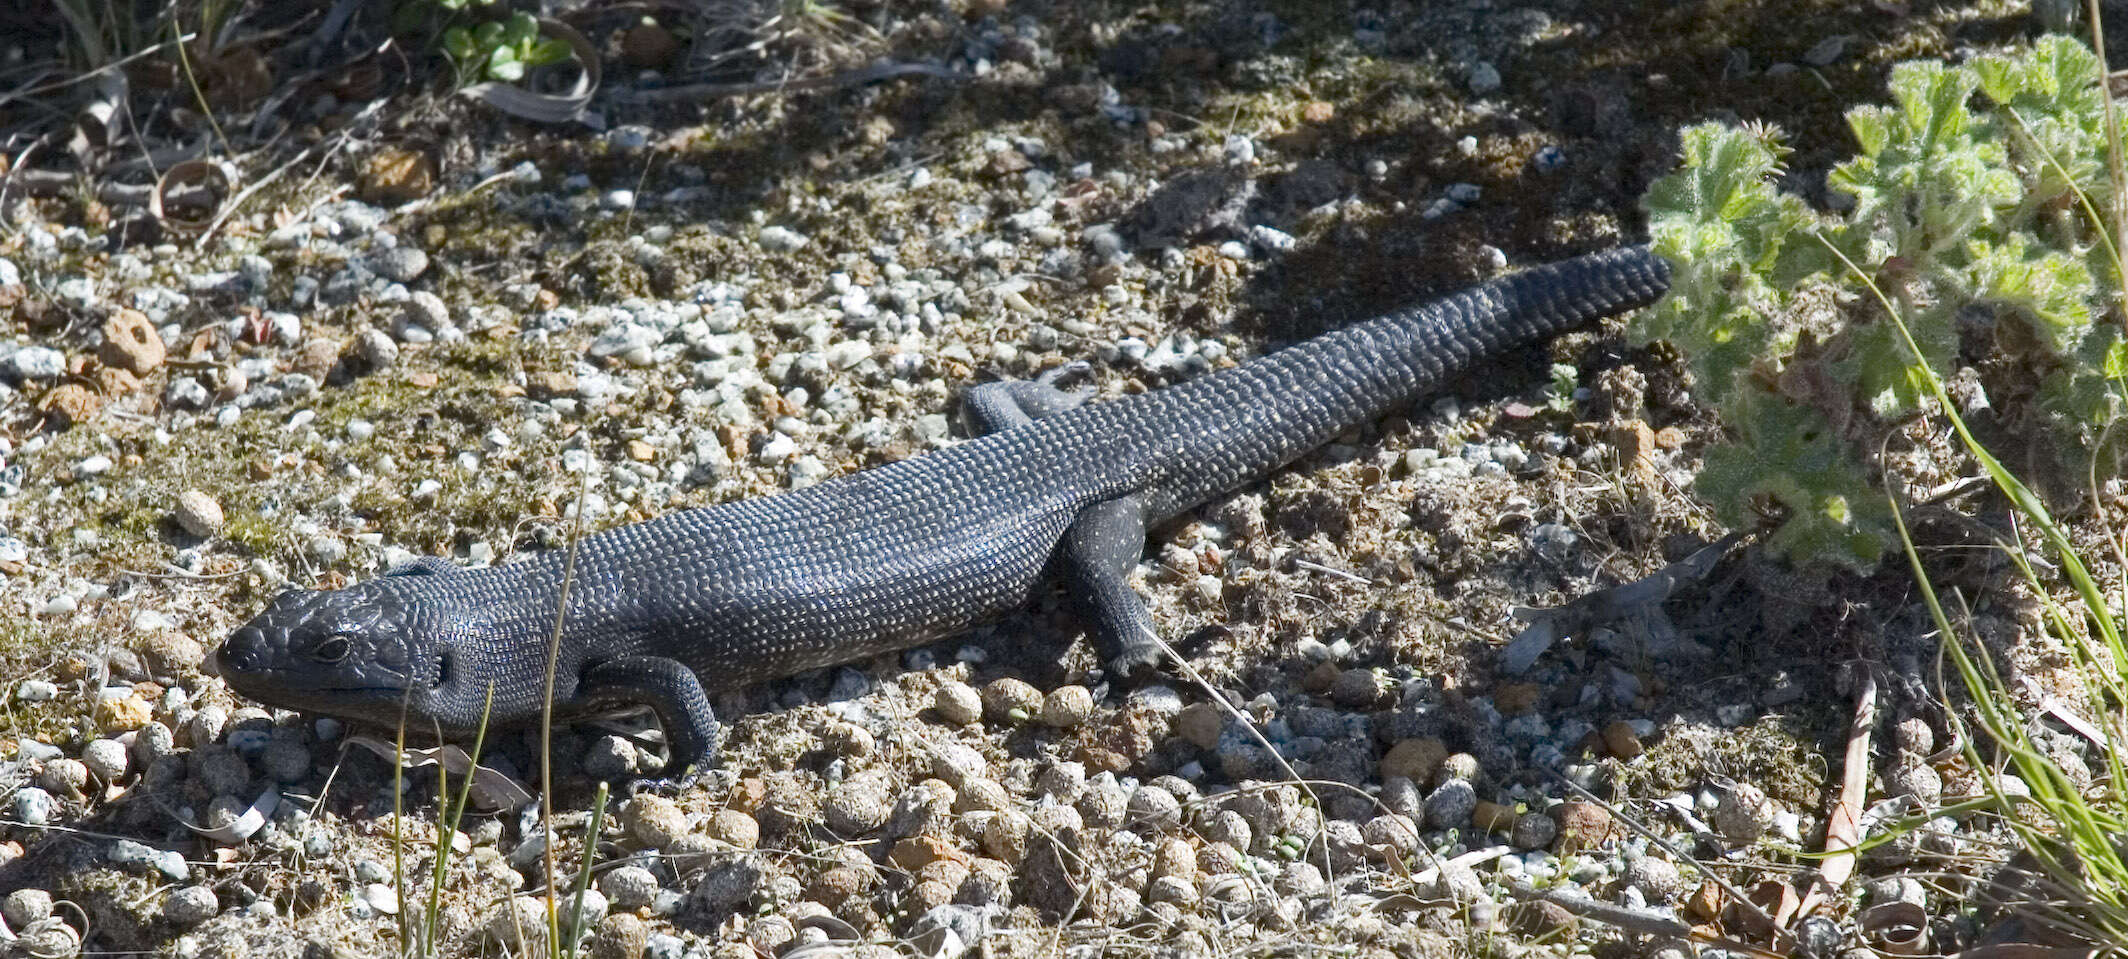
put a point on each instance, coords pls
(547, 107)
(189, 195)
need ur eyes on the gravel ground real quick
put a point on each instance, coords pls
(419, 337)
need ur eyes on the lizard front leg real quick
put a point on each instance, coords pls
(996, 407)
(672, 691)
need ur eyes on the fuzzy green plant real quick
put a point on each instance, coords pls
(1975, 203)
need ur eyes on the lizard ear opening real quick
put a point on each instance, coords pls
(446, 659)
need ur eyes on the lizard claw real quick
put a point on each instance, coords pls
(1135, 664)
(669, 786)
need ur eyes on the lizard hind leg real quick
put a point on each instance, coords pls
(1096, 557)
(996, 407)
(672, 691)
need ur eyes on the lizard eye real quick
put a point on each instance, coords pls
(332, 650)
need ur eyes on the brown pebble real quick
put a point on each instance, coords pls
(1636, 448)
(929, 895)
(123, 713)
(172, 653)
(834, 886)
(1514, 699)
(915, 852)
(551, 384)
(1360, 688)
(1414, 759)
(1540, 918)
(748, 795)
(131, 343)
(1706, 901)
(655, 820)
(1321, 678)
(1492, 816)
(114, 382)
(948, 872)
(1318, 112)
(1620, 740)
(1067, 706)
(393, 176)
(69, 404)
(1582, 825)
(647, 46)
(734, 827)
(1008, 161)
(1201, 724)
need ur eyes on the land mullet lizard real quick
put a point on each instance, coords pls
(665, 611)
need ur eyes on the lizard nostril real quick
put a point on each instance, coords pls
(244, 652)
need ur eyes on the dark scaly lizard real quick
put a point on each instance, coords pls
(664, 611)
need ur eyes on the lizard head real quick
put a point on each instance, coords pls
(365, 652)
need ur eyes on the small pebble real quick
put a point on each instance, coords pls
(207, 725)
(609, 758)
(1067, 706)
(734, 827)
(1451, 804)
(400, 264)
(376, 349)
(655, 820)
(25, 906)
(1657, 879)
(1201, 724)
(142, 857)
(1154, 809)
(66, 777)
(1582, 825)
(1742, 813)
(1005, 836)
(1414, 759)
(858, 807)
(105, 760)
(190, 905)
(768, 935)
(629, 887)
(33, 805)
(1534, 830)
(620, 936)
(131, 343)
(957, 703)
(518, 922)
(285, 761)
(1009, 700)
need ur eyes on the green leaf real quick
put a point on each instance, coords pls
(549, 50)
(487, 35)
(1998, 77)
(521, 30)
(508, 70)
(458, 43)
(1872, 127)
(2116, 365)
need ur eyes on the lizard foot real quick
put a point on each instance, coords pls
(669, 786)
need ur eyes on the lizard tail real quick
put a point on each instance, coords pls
(1284, 404)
